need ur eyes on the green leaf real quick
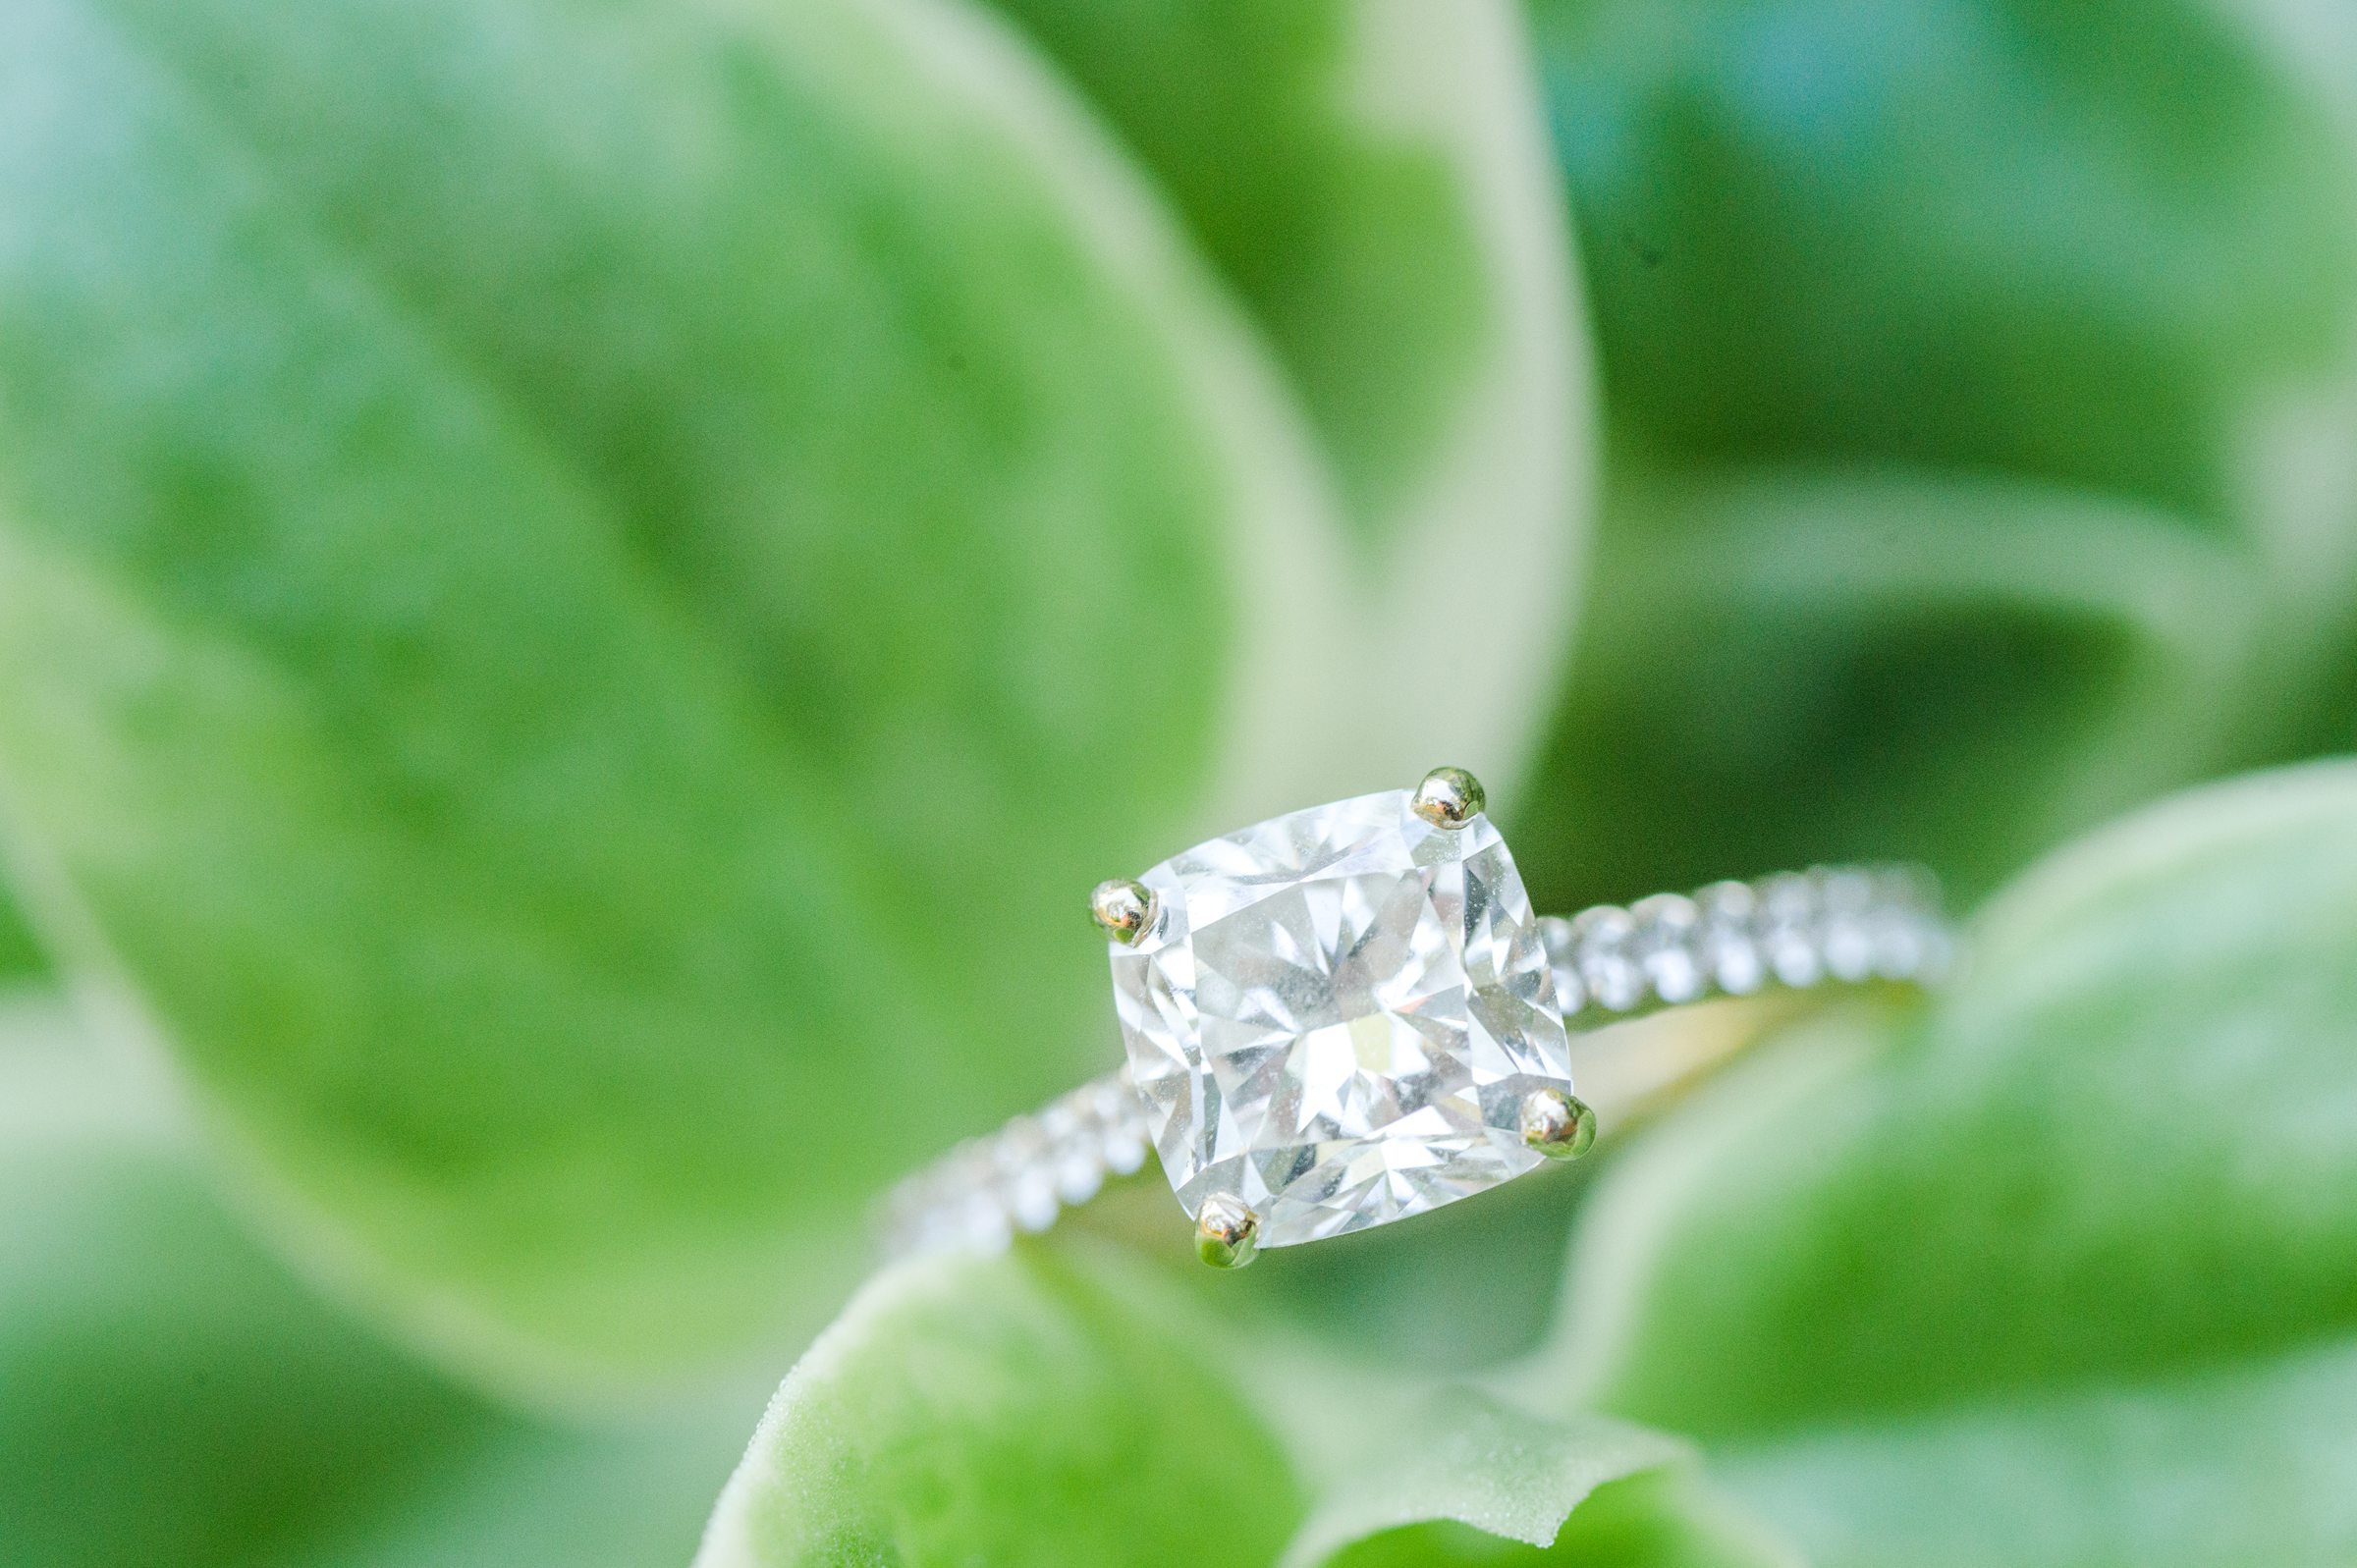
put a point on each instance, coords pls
(2076, 1237)
(1373, 182)
(2249, 1463)
(2098, 245)
(1952, 272)
(1664, 1518)
(174, 1397)
(582, 592)
(20, 953)
(1018, 1410)
(452, 679)
(1798, 666)
(1065, 1404)
(1462, 1454)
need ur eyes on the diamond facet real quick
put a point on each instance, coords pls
(1337, 1016)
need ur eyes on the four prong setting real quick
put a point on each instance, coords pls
(1333, 1017)
(1558, 1124)
(1447, 798)
(1125, 909)
(1227, 1231)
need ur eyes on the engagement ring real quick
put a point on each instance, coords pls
(1350, 1016)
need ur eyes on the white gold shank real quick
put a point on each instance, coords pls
(1019, 1178)
(1845, 924)
(1796, 930)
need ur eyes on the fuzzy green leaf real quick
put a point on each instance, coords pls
(1065, 1404)
(2215, 1468)
(2076, 1238)
(173, 1397)
(20, 952)
(1373, 182)
(1460, 1454)
(1999, 261)
(572, 582)
(1661, 1519)
(1795, 666)
(1025, 1410)
(483, 694)
(2098, 245)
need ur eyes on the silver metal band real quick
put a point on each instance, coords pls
(1023, 1175)
(1838, 925)
(1844, 924)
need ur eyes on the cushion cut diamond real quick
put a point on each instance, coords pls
(1336, 1015)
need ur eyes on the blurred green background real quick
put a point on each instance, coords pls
(584, 589)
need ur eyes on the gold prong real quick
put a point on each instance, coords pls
(1449, 797)
(1557, 1125)
(1125, 907)
(1227, 1231)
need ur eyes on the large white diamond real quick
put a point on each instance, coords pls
(1337, 1017)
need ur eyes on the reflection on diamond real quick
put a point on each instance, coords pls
(1337, 1017)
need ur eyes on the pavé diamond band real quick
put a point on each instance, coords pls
(1349, 1015)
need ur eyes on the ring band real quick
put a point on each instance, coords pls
(1349, 1015)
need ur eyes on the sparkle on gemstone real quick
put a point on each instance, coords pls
(1337, 1017)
